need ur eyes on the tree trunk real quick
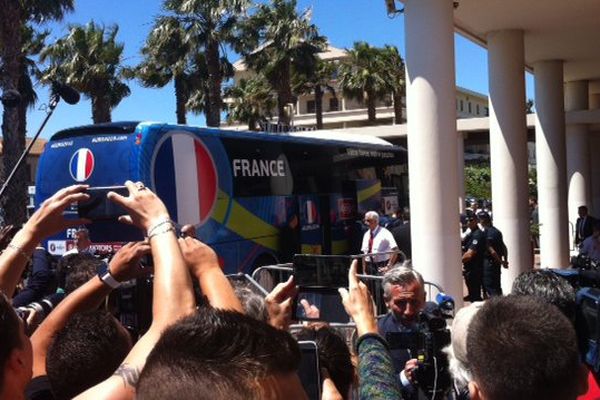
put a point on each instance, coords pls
(180, 101)
(284, 94)
(100, 106)
(213, 114)
(15, 197)
(319, 106)
(397, 97)
(371, 112)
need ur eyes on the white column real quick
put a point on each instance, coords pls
(431, 117)
(551, 164)
(461, 172)
(508, 148)
(578, 154)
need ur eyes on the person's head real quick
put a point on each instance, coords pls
(404, 292)
(582, 211)
(82, 239)
(253, 303)
(16, 354)
(333, 355)
(221, 354)
(549, 288)
(521, 348)
(76, 269)
(85, 352)
(484, 218)
(372, 219)
(457, 350)
(188, 231)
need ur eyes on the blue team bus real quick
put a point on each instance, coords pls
(256, 198)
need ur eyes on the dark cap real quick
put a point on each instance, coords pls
(467, 216)
(483, 216)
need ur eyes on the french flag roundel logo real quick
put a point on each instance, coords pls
(81, 165)
(186, 179)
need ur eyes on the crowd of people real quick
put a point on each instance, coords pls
(230, 343)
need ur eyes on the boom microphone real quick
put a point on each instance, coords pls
(66, 92)
(11, 98)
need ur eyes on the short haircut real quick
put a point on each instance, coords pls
(401, 274)
(582, 208)
(216, 354)
(372, 215)
(85, 352)
(10, 338)
(334, 355)
(521, 348)
(548, 287)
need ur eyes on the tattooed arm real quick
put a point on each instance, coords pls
(173, 297)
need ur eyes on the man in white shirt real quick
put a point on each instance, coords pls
(379, 242)
(591, 245)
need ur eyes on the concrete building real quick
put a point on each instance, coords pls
(342, 112)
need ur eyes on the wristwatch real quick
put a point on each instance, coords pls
(106, 277)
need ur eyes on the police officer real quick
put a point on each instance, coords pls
(495, 257)
(474, 247)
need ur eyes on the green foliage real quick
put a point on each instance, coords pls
(532, 182)
(478, 182)
(251, 100)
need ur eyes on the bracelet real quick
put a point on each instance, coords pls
(19, 250)
(168, 229)
(158, 224)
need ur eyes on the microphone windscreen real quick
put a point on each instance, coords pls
(66, 92)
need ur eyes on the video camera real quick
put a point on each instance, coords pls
(432, 374)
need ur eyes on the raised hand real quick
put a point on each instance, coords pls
(125, 265)
(144, 207)
(359, 303)
(279, 303)
(49, 218)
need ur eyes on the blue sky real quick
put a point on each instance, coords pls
(343, 22)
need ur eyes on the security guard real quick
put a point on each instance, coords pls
(474, 247)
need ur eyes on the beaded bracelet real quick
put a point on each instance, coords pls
(19, 250)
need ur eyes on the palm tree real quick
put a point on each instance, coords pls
(396, 78)
(250, 101)
(89, 59)
(166, 59)
(14, 16)
(317, 81)
(279, 43)
(210, 25)
(362, 76)
(199, 101)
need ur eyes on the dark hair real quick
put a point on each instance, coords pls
(76, 269)
(10, 338)
(216, 354)
(549, 288)
(521, 348)
(85, 352)
(333, 355)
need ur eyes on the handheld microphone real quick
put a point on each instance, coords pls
(66, 92)
(11, 98)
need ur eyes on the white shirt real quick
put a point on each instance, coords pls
(75, 250)
(591, 248)
(383, 241)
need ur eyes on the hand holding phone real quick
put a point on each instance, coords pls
(98, 207)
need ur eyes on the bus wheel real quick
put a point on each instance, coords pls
(265, 278)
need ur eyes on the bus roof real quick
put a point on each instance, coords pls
(335, 135)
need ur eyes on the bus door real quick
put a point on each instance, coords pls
(311, 230)
(342, 216)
